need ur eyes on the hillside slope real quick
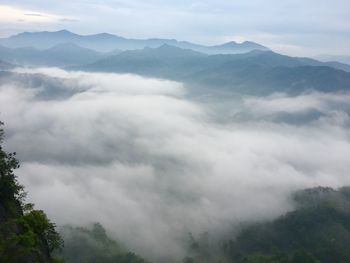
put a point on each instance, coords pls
(256, 72)
(61, 55)
(26, 235)
(317, 231)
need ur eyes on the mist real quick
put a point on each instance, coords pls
(151, 164)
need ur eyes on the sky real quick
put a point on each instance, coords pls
(294, 27)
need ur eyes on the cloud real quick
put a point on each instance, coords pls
(33, 14)
(13, 14)
(16, 19)
(140, 157)
(280, 102)
(69, 20)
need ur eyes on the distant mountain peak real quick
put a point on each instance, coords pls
(252, 44)
(106, 34)
(166, 48)
(106, 37)
(59, 32)
(64, 32)
(230, 43)
(23, 34)
(245, 44)
(169, 47)
(249, 42)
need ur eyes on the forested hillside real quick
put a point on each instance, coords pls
(26, 234)
(92, 244)
(317, 231)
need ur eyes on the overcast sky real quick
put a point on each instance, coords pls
(296, 27)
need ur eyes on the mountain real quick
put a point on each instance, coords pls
(107, 42)
(65, 54)
(253, 72)
(338, 65)
(5, 65)
(165, 62)
(317, 231)
(92, 244)
(269, 72)
(343, 59)
(238, 47)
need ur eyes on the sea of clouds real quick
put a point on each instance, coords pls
(151, 164)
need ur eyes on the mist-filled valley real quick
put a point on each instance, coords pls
(152, 162)
(174, 131)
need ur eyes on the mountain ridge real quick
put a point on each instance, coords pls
(255, 71)
(64, 54)
(105, 42)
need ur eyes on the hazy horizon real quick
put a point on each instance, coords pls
(293, 27)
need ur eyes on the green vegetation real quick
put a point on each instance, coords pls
(319, 228)
(26, 235)
(90, 245)
(318, 231)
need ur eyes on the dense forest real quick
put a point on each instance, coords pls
(92, 244)
(317, 231)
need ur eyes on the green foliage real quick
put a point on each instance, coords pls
(297, 257)
(10, 190)
(26, 235)
(259, 258)
(57, 260)
(90, 245)
(318, 231)
(303, 257)
(37, 221)
(203, 249)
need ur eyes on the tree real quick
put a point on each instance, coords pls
(26, 234)
(9, 187)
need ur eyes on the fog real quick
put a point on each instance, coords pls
(151, 164)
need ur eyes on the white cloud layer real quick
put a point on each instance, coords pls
(148, 163)
(10, 14)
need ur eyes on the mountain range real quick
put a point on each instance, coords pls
(252, 72)
(61, 55)
(105, 42)
(257, 70)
